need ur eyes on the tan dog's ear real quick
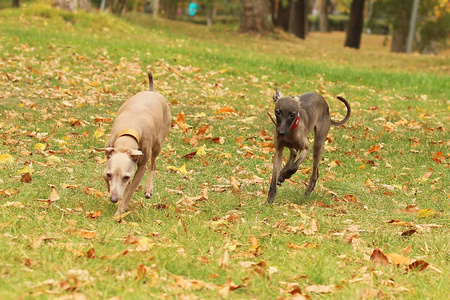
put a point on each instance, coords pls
(108, 151)
(277, 95)
(134, 154)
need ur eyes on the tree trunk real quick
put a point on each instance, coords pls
(297, 18)
(15, 3)
(210, 14)
(255, 17)
(280, 15)
(324, 26)
(155, 8)
(355, 24)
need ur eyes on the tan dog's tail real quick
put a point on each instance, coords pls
(347, 116)
(150, 81)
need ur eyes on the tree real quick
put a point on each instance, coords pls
(355, 25)
(280, 13)
(323, 24)
(255, 17)
(15, 3)
(298, 18)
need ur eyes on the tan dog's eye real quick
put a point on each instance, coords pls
(108, 175)
(126, 178)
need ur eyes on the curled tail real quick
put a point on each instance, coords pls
(347, 116)
(150, 81)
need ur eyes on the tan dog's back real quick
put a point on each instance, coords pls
(147, 111)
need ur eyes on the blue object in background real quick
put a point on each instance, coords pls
(192, 9)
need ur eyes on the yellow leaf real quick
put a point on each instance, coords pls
(6, 158)
(425, 213)
(40, 146)
(54, 158)
(99, 132)
(201, 151)
(27, 169)
(181, 169)
(144, 244)
(120, 217)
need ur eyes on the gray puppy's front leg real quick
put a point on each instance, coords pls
(277, 158)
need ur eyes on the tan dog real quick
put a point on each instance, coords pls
(142, 123)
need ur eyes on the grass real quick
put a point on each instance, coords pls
(204, 234)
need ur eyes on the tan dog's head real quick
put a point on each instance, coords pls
(119, 170)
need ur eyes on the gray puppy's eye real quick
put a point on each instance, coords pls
(278, 112)
(293, 115)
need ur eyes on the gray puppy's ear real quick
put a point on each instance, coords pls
(277, 95)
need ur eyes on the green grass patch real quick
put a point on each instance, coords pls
(204, 233)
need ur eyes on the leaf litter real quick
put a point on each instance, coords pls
(204, 127)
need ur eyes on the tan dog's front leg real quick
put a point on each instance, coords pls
(123, 204)
(277, 158)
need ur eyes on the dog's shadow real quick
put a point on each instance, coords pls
(289, 193)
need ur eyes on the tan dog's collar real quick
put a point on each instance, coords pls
(131, 132)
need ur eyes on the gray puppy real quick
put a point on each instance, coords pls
(295, 118)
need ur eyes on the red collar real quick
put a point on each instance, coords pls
(297, 120)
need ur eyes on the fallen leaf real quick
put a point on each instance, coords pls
(398, 259)
(181, 169)
(320, 289)
(26, 178)
(225, 110)
(418, 265)
(378, 258)
(425, 213)
(6, 158)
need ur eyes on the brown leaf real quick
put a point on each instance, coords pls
(302, 246)
(93, 214)
(350, 198)
(225, 110)
(418, 265)
(378, 258)
(408, 232)
(406, 250)
(197, 137)
(203, 259)
(190, 155)
(90, 253)
(235, 184)
(26, 178)
(398, 259)
(254, 241)
(239, 140)
(130, 240)
(54, 195)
